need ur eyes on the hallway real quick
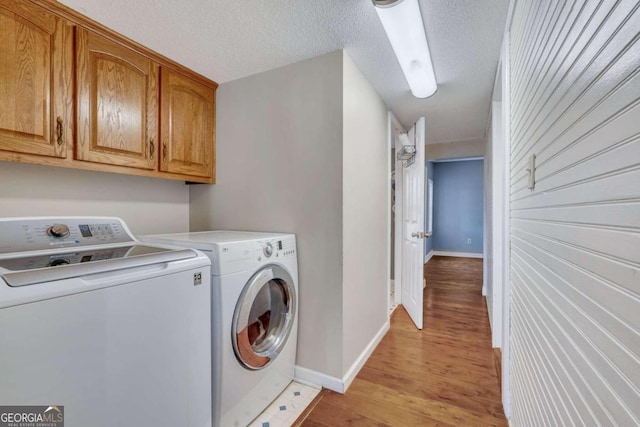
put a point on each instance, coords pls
(442, 375)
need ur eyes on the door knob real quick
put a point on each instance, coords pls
(420, 235)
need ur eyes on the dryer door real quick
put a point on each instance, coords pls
(263, 317)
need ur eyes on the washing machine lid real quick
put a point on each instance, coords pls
(264, 317)
(36, 250)
(47, 267)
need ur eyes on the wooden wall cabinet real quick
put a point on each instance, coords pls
(187, 125)
(36, 81)
(132, 111)
(117, 102)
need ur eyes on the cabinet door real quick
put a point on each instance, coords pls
(36, 81)
(187, 125)
(117, 103)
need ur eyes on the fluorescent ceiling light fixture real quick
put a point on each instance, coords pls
(402, 22)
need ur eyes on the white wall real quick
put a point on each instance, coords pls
(575, 238)
(487, 279)
(498, 171)
(455, 149)
(279, 150)
(148, 205)
(303, 149)
(364, 212)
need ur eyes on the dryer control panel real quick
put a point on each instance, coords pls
(232, 257)
(276, 248)
(33, 234)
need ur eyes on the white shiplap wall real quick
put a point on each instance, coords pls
(575, 238)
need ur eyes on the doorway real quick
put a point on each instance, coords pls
(409, 203)
(428, 209)
(458, 207)
(395, 130)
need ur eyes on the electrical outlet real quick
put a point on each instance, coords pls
(468, 241)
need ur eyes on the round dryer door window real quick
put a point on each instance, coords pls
(263, 317)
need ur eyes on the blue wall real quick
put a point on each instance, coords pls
(428, 243)
(457, 206)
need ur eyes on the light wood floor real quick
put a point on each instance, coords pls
(443, 375)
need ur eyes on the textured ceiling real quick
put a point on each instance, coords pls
(227, 40)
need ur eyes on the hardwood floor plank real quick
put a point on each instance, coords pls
(443, 375)
(467, 396)
(497, 359)
(427, 409)
(379, 405)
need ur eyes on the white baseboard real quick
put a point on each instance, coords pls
(459, 254)
(340, 385)
(364, 356)
(428, 256)
(318, 379)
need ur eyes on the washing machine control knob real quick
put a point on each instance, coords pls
(268, 250)
(58, 231)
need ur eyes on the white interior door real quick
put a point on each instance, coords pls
(412, 226)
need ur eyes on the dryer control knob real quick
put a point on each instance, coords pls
(58, 231)
(268, 250)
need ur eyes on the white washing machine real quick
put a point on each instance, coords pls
(103, 329)
(255, 284)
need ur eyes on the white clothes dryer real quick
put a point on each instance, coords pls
(255, 292)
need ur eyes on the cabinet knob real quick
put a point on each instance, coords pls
(164, 151)
(152, 148)
(59, 138)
